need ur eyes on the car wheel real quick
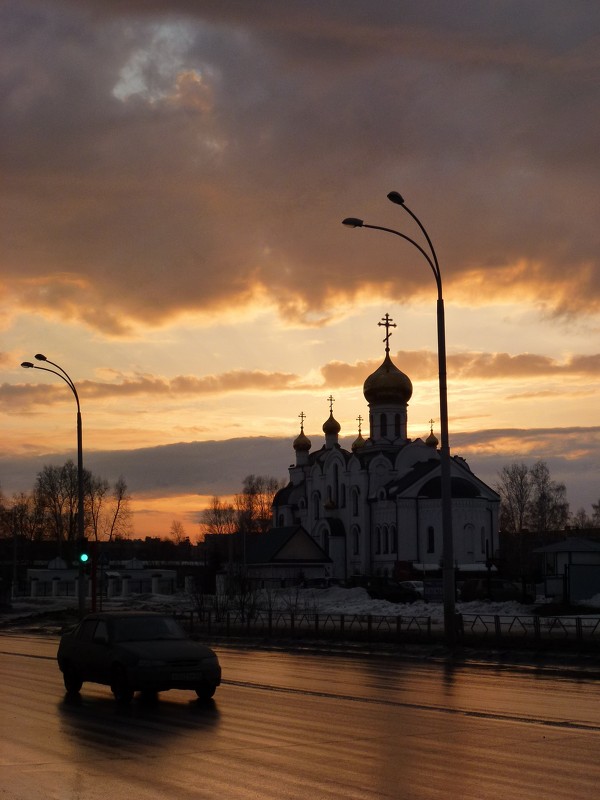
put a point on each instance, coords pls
(72, 680)
(119, 686)
(205, 691)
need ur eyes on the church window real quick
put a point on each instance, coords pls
(355, 540)
(343, 495)
(336, 483)
(385, 539)
(397, 425)
(280, 520)
(316, 505)
(383, 424)
(394, 539)
(483, 548)
(430, 540)
(355, 501)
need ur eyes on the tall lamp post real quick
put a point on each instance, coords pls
(80, 516)
(448, 542)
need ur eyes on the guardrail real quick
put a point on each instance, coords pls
(473, 629)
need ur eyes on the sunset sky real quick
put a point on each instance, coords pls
(173, 178)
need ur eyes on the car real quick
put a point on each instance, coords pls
(417, 586)
(393, 592)
(136, 651)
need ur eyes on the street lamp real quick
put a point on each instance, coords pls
(448, 543)
(80, 520)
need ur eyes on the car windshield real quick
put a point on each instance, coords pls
(147, 629)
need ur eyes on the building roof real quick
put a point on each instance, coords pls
(570, 545)
(287, 544)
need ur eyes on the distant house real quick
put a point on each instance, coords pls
(571, 569)
(285, 557)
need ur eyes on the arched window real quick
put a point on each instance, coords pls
(394, 539)
(385, 539)
(430, 540)
(343, 495)
(336, 483)
(355, 492)
(355, 540)
(383, 424)
(316, 505)
(482, 539)
(280, 521)
(397, 425)
(377, 540)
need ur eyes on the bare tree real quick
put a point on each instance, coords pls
(255, 501)
(596, 513)
(530, 499)
(108, 509)
(581, 520)
(514, 488)
(549, 509)
(177, 532)
(57, 497)
(219, 518)
(26, 515)
(119, 511)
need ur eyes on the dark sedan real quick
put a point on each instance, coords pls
(136, 651)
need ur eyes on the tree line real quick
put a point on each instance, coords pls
(530, 500)
(49, 511)
(250, 511)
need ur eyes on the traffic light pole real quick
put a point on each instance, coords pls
(80, 516)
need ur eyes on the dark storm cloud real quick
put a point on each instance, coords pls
(163, 157)
(208, 468)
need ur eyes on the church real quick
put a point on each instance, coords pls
(376, 509)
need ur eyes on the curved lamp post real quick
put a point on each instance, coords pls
(80, 517)
(448, 542)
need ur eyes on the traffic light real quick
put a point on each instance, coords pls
(83, 554)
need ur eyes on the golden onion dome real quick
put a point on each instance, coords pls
(331, 426)
(302, 442)
(387, 385)
(432, 440)
(358, 443)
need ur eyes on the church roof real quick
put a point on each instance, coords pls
(572, 545)
(267, 547)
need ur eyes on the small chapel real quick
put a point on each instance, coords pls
(376, 509)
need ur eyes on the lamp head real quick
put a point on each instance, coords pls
(40, 357)
(353, 222)
(27, 364)
(396, 198)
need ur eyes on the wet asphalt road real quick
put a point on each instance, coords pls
(302, 726)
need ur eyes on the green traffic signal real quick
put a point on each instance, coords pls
(82, 551)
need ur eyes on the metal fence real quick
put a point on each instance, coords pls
(472, 629)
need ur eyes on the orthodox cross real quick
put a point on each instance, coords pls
(331, 402)
(359, 419)
(302, 416)
(431, 421)
(387, 324)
